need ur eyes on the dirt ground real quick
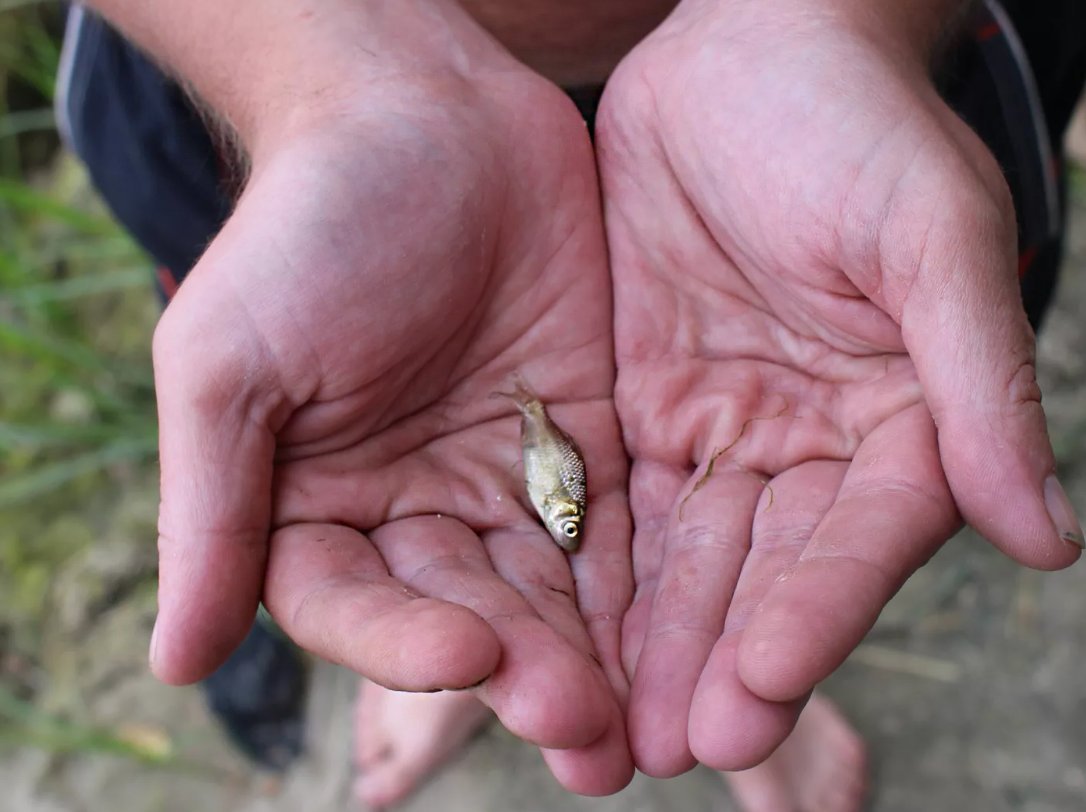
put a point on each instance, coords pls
(970, 690)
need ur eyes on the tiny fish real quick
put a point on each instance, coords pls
(553, 470)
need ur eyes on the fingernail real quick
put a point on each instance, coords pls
(1063, 515)
(154, 643)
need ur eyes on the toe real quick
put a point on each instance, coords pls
(371, 743)
(760, 789)
(368, 752)
(386, 784)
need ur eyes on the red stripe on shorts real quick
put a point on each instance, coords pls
(166, 280)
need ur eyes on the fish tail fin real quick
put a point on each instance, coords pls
(522, 394)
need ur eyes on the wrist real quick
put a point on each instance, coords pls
(914, 30)
(267, 71)
(405, 55)
(918, 27)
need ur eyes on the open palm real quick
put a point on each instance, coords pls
(324, 383)
(822, 359)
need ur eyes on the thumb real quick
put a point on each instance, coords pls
(964, 325)
(216, 454)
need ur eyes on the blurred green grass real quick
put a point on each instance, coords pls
(77, 424)
(27, 724)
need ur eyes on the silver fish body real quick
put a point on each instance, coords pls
(554, 471)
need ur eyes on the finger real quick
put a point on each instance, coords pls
(601, 768)
(331, 593)
(544, 690)
(603, 577)
(528, 560)
(892, 513)
(654, 491)
(741, 729)
(602, 571)
(964, 325)
(707, 540)
(732, 728)
(216, 460)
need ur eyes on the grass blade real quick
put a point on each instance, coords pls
(44, 436)
(14, 5)
(67, 289)
(60, 353)
(29, 726)
(26, 121)
(22, 197)
(23, 487)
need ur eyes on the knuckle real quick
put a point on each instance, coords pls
(698, 540)
(212, 372)
(186, 347)
(1022, 386)
(942, 214)
(685, 629)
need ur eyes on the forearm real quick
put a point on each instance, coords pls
(265, 67)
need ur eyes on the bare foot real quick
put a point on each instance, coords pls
(821, 767)
(402, 738)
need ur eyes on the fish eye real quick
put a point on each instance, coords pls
(571, 529)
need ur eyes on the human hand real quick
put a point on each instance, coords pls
(328, 442)
(815, 286)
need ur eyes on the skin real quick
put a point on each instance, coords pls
(328, 440)
(369, 411)
(842, 286)
(827, 292)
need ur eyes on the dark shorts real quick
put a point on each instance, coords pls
(1015, 76)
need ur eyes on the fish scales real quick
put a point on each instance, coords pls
(554, 470)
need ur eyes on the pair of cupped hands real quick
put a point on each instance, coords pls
(785, 256)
